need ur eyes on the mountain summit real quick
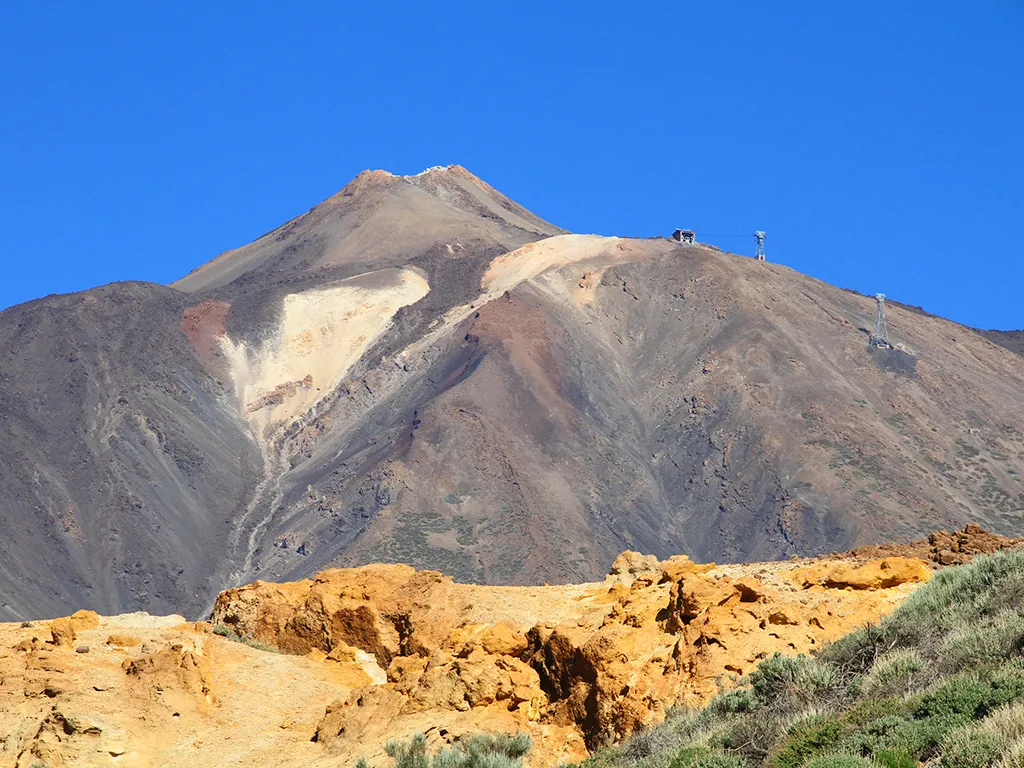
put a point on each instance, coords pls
(420, 370)
(380, 219)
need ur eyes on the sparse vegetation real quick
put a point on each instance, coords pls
(252, 642)
(482, 750)
(411, 543)
(939, 682)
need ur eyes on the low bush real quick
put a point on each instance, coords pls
(810, 738)
(895, 672)
(751, 737)
(971, 747)
(790, 682)
(971, 695)
(1007, 721)
(991, 640)
(689, 757)
(720, 760)
(252, 642)
(895, 758)
(871, 711)
(840, 761)
(734, 701)
(481, 750)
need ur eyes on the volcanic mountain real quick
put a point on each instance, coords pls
(419, 370)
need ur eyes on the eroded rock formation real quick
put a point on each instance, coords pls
(943, 547)
(581, 664)
(384, 651)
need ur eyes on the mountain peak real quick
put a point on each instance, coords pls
(381, 178)
(385, 219)
(455, 169)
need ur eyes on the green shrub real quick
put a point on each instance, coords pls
(640, 744)
(920, 738)
(720, 760)
(961, 695)
(958, 597)
(485, 750)
(854, 654)
(840, 761)
(411, 754)
(990, 640)
(753, 736)
(704, 757)
(688, 757)
(971, 747)
(791, 681)
(954, 598)
(682, 729)
(870, 711)
(606, 757)
(774, 676)
(478, 751)
(734, 701)
(894, 672)
(815, 680)
(971, 695)
(892, 735)
(869, 735)
(685, 734)
(895, 758)
(808, 739)
(1009, 677)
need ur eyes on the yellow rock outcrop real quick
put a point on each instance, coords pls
(616, 656)
(385, 651)
(876, 574)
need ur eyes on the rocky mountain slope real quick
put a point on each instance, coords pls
(1012, 340)
(329, 669)
(419, 370)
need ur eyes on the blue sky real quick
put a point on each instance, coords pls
(878, 143)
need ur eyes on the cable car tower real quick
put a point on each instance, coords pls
(759, 236)
(880, 338)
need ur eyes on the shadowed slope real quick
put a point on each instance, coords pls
(130, 460)
(122, 457)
